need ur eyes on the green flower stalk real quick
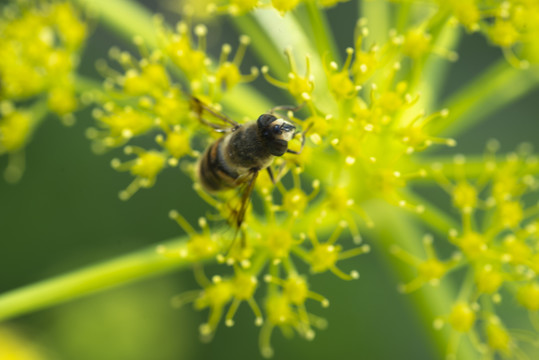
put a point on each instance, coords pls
(370, 117)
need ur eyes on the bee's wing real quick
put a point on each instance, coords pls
(200, 109)
(246, 190)
(239, 215)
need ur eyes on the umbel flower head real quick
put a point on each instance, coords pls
(365, 124)
(367, 118)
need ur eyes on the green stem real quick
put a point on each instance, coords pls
(39, 111)
(434, 74)
(244, 101)
(128, 18)
(321, 32)
(84, 84)
(474, 167)
(287, 32)
(122, 270)
(394, 226)
(379, 15)
(432, 215)
(497, 87)
(403, 17)
(429, 73)
(265, 49)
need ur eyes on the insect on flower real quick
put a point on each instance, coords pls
(236, 158)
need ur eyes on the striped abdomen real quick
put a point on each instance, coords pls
(213, 172)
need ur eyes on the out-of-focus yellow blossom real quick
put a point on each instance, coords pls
(511, 25)
(13, 346)
(40, 48)
(41, 42)
(15, 129)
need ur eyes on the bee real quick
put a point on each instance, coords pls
(237, 158)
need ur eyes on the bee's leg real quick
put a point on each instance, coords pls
(270, 173)
(302, 142)
(199, 107)
(280, 173)
(245, 198)
(240, 214)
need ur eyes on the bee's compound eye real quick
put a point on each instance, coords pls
(276, 129)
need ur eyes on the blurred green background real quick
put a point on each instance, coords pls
(65, 214)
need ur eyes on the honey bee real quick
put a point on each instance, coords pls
(237, 158)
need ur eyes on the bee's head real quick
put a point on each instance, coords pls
(276, 132)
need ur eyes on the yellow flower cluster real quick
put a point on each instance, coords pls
(272, 248)
(363, 138)
(364, 121)
(240, 7)
(512, 25)
(366, 117)
(38, 57)
(498, 244)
